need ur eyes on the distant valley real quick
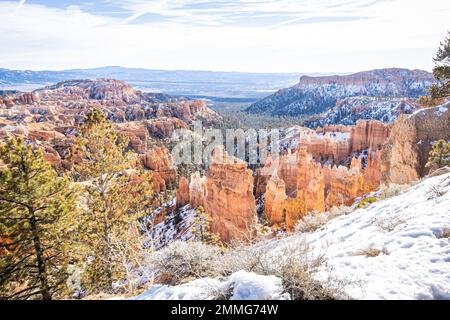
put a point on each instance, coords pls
(215, 86)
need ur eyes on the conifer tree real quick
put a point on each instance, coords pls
(201, 227)
(441, 73)
(116, 192)
(34, 205)
(439, 155)
(442, 70)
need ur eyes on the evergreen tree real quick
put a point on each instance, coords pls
(117, 192)
(442, 70)
(441, 73)
(34, 205)
(439, 155)
(201, 227)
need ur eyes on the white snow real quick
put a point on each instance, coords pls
(241, 285)
(199, 289)
(441, 110)
(251, 286)
(414, 262)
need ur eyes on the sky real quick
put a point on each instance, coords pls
(232, 35)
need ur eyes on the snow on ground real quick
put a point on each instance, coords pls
(169, 230)
(241, 285)
(408, 230)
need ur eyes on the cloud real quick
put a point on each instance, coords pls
(239, 11)
(241, 35)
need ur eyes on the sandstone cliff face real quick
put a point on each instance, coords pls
(197, 191)
(160, 161)
(368, 133)
(309, 196)
(230, 201)
(165, 127)
(275, 200)
(405, 153)
(137, 134)
(372, 172)
(226, 193)
(336, 143)
(344, 185)
(182, 192)
(187, 111)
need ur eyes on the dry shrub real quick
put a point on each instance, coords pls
(315, 221)
(371, 252)
(436, 191)
(388, 224)
(181, 261)
(296, 265)
(444, 234)
(392, 190)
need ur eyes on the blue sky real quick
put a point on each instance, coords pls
(239, 35)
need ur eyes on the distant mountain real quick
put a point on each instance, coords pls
(204, 84)
(377, 94)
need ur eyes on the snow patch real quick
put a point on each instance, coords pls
(241, 285)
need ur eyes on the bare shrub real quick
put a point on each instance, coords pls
(315, 221)
(371, 252)
(388, 224)
(295, 265)
(392, 190)
(130, 259)
(445, 233)
(181, 261)
(436, 191)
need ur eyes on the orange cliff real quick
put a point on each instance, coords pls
(368, 133)
(226, 194)
(182, 194)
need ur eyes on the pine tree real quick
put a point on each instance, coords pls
(441, 73)
(117, 192)
(34, 205)
(442, 70)
(439, 155)
(201, 227)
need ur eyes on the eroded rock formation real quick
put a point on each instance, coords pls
(368, 133)
(182, 192)
(159, 160)
(405, 154)
(318, 187)
(226, 193)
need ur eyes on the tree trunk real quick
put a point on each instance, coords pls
(43, 282)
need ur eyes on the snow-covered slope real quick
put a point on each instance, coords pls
(411, 233)
(349, 110)
(326, 98)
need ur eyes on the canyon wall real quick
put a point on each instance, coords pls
(368, 133)
(405, 153)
